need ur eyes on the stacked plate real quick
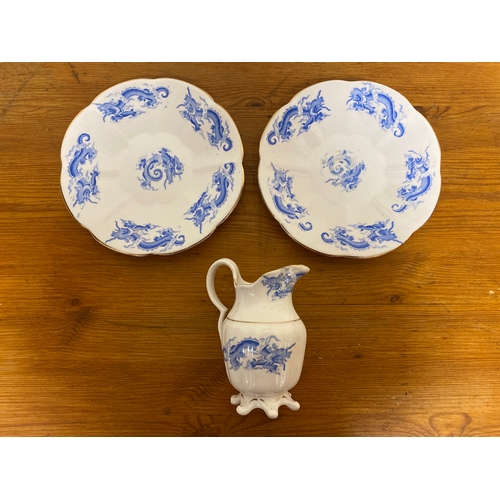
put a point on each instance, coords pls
(347, 168)
(152, 166)
(350, 168)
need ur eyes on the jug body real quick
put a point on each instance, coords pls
(263, 359)
(263, 340)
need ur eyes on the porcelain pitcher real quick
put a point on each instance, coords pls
(263, 339)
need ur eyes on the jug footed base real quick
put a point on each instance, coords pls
(269, 404)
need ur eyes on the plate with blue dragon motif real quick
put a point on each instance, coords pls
(152, 166)
(350, 168)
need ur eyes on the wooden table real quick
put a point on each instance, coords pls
(97, 343)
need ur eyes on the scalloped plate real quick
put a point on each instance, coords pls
(152, 166)
(350, 168)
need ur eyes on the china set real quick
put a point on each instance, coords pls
(152, 167)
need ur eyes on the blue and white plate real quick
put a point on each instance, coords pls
(350, 168)
(152, 166)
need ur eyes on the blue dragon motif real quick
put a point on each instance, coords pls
(378, 104)
(234, 353)
(134, 235)
(208, 204)
(418, 180)
(196, 113)
(161, 163)
(86, 188)
(261, 354)
(361, 236)
(305, 226)
(131, 102)
(83, 185)
(305, 114)
(346, 171)
(284, 199)
(278, 287)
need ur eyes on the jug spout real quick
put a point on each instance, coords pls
(269, 299)
(280, 283)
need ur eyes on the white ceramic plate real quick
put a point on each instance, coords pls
(350, 168)
(152, 166)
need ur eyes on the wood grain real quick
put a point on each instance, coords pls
(95, 343)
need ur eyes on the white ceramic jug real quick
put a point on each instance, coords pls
(263, 339)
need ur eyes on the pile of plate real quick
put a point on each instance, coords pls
(347, 168)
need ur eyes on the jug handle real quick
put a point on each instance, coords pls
(211, 287)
